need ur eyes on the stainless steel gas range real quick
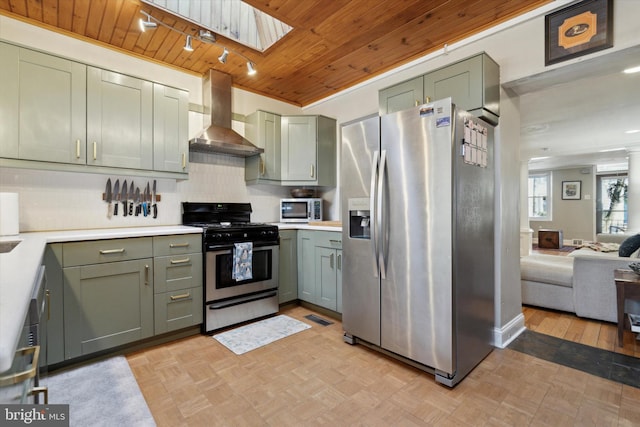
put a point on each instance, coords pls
(240, 263)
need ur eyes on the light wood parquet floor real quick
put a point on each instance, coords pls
(313, 378)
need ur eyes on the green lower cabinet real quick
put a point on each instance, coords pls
(107, 305)
(320, 268)
(288, 268)
(307, 267)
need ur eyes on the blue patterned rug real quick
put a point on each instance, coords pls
(258, 334)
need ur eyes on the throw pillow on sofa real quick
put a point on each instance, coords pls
(629, 246)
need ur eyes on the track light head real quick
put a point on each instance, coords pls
(148, 24)
(250, 68)
(187, 44)
(223, 58)
(207, 36)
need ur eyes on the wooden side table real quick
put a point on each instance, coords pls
(627, 286)
(550, 239)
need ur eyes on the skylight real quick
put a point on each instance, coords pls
(233, 19)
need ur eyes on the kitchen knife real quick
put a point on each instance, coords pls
(131, 195)
(116, 196)
(123, 199)
(147, 198)
(155, 200)
(137, 201)
(108, 197)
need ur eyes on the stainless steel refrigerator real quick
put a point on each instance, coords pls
(417, 189)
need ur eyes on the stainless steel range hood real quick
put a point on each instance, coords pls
(218, 137)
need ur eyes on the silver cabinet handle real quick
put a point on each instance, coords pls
(313, 171)
(146, 275)
(180, 261)
(340, 262)
(95, 150)
(111, 251)
(178, 245)
(262, 166)
(182, 296)
(184, 160)
(77, 148)
(331, 260)
(335, 242)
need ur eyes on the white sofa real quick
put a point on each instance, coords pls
(581, 283)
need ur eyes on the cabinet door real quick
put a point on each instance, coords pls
(306, 267)
(264, 129)
(461, 81)
(299, 145)
(119, 120)
(288, 274)
(107, 305)
(326, 262)
(170, 129)
(49, 127)
(401, 96)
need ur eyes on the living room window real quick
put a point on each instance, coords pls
(540, 196)
(611, 209)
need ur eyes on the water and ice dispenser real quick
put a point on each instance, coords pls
(359, 218)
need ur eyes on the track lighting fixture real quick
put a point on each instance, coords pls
(187, 44)
(147, 24)
(223, 58)
(204, 36)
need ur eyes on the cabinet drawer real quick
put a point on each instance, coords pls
(101, 251)
(177, 310)
(173, 273)
(177, 244)
(328, 239)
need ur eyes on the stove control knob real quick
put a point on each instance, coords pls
(263, 233)
(227, 235)
(217, 236)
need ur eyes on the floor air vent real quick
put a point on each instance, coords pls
(318, 320)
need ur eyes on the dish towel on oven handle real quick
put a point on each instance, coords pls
(242, 261)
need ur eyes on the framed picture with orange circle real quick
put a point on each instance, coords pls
(578, 30)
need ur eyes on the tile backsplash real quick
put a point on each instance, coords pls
(52, 200)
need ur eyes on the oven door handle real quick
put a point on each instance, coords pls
(242, 300)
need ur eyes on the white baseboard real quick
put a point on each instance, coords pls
(502, 337)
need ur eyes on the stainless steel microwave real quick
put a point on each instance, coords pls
(300, 210)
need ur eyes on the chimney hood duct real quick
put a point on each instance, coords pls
(218, 137)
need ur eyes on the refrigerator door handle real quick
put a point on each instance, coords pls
(372, 211)
(379, 225)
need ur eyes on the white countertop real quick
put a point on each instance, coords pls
(19, 269)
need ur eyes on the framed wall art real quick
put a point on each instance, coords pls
(577, 30)
(571, 190)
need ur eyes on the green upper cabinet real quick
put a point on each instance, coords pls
(472, 83)
(402, 96)
(119, 120)
(170, 129)
(263, 129)
(43, 107)
(308, 150)
(61, 113)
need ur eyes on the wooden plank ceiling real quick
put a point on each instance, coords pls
(335, 44)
